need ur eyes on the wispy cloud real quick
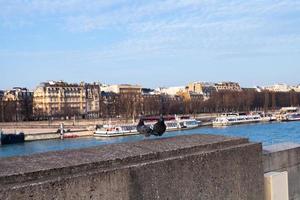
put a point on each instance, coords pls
(167, 27)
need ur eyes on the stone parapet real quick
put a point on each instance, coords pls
(184, 167)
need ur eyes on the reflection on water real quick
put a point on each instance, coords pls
(268, 133)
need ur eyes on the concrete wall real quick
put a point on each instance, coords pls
(185, 167)
(285, 157)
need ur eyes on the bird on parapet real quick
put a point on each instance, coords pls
(144, 129)
(160, 127)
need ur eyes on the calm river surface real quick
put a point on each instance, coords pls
(267, 133)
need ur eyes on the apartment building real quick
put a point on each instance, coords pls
(92, 100)
(16, 104)
(204, 88)
(58, 98)
(228, 86)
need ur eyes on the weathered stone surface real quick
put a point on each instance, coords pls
(185, 167)
(285, 157)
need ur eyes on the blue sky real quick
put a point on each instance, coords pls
(153, 42)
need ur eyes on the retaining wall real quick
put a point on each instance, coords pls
(185, 167)
(285, 157)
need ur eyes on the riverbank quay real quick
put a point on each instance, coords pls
(83, 123)
(45, 130)
(184, 167)
(35, 134)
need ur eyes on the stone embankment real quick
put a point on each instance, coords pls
(185, 167)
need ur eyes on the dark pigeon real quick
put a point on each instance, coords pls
(144, 129)
(160, 127)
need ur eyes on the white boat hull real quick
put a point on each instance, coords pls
(235, 120)
(292, 119)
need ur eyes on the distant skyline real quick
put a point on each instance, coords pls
(152, 43)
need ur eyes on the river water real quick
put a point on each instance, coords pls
(267, 133)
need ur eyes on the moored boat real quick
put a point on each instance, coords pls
(116, 130)
(228, 119)
(189, 123)
(289, 114)
(13, 138)
(265, 117)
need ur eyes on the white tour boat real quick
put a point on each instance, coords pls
(179, 124)
(116, 130)
(188, 123)
(289, 114)
(237, 118)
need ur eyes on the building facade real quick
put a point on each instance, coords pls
(151, 104)
(92, 100)
(296, 88)
(122, 100)
(279, 88)
(228, 86)
(109, 104)
(59, 99)
(130, 98)
(123, 89)
(203, 88)
(170, 90)
(16, 104)
(172, 104)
